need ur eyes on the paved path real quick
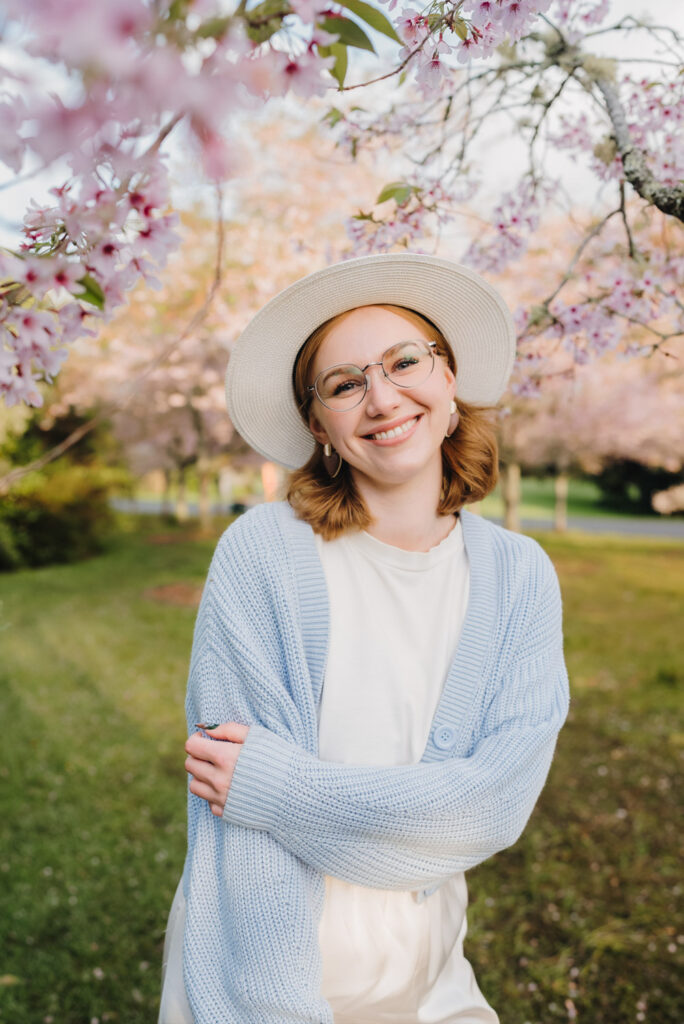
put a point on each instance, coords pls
(644, 527)
(665, 527)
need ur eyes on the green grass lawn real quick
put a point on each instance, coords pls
(577, 921)
(538, 500)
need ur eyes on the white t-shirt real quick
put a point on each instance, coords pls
(396, 618)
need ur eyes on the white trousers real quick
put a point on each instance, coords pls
(174, 1007)
(456, 1000)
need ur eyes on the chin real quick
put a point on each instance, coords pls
(400, 473)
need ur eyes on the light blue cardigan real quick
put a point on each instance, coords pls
(254, 880)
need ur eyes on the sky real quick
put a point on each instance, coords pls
(13, 200)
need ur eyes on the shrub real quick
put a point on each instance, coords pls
(630, 486)
(57, 516)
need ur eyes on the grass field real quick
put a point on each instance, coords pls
(538, 500)
(576, 922)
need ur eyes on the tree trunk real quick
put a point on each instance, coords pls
(182, 511)
(166, 494)
(226, 484)
(204, 496)
(510, 489)
(271, 480)
(560, 514)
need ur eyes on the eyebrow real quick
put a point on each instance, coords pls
(338, 370)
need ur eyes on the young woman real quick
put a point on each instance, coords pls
(386, 668)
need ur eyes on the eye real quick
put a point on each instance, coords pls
(405, 362)
(346, 386)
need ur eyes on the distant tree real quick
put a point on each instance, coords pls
(621, 422)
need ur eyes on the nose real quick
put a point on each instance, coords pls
(382, 394)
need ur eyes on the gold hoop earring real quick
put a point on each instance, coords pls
(453, 421)
(329, 460)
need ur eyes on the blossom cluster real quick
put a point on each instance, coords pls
(656, 122)
(574, 17)
(613, 297)
(514, 219)
(654, 117)
(418, 211)
(472, 32)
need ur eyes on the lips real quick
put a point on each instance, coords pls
(397, 429)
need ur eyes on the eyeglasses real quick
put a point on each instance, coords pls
(408, 365)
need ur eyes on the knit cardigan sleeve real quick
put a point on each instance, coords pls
(250, 952)
(404, 826)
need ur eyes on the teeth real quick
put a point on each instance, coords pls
(383, 435)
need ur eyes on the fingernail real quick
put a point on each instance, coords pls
(201, 725)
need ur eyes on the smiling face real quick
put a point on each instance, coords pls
(395, 434)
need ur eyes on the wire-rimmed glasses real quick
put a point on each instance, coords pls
(407, 364)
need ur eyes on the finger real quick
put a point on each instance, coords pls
(204, 771)
(220, 754)
(233, 731)
(204, 791)
(204, 749)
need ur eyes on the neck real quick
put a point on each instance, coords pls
(405, 515)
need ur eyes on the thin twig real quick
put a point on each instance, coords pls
(648, 60)
(631, 24)
(390, 74)
(547, 106)
(578, 252)
(20, 179)
(647, 327)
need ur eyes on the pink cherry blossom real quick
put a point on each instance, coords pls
(574, 16)
(12, 145)
(309, 10)
(303, 74)
(432, 73)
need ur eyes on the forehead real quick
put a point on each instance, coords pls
(361, 336)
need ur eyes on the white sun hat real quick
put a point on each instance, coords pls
(471, 315)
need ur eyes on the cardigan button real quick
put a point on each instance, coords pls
(444, 737)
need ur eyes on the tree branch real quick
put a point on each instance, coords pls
(596, 230)
(623, 211)
(667, 198)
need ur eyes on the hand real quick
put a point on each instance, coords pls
(211, 764)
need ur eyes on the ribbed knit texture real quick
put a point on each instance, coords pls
(254, 880)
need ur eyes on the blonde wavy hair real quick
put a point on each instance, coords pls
(470, 462)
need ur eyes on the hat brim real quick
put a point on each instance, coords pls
(471, 315)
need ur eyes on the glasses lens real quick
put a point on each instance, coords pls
(341, 387)
(408, 364)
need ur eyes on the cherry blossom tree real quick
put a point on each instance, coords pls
(612, 411)
(123, 78)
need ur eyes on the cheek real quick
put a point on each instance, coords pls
(316, 425)
(323, 426)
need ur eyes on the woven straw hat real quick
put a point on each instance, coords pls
(471, 315)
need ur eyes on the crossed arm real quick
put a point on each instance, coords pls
(400, 826)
